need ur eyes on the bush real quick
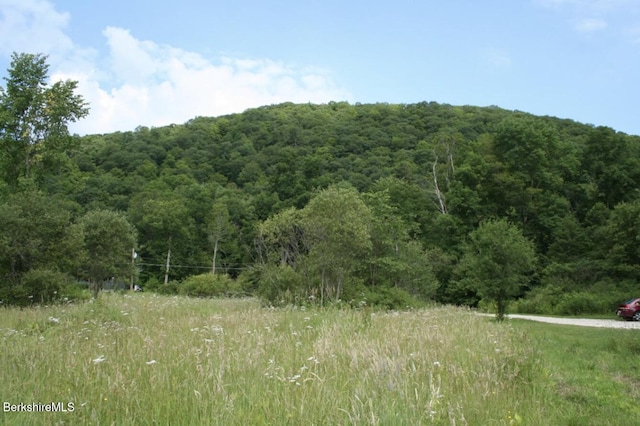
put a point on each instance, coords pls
(73, 291)
(280, 285)
(390, 298)
(209, 285)
(554, 300)
(578, 303)
(541, 300)
(153, 284)
(34, 286)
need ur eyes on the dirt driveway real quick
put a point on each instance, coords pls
(584, 322)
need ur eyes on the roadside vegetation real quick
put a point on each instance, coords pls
(133, 359)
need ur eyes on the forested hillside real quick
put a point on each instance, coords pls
(351, 202)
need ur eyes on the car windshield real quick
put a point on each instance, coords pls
(628, 302)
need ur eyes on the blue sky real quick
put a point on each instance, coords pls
(155, 63)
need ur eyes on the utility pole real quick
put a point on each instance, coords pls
(166, 272)
(133, 267)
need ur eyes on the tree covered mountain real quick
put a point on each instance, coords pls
(341, 200)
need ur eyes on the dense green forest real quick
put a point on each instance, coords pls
(376, 203)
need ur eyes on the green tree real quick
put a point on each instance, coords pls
(108, 240)
(218, 228)
(498, 262)
(165, 228)
(38, 247)
(337, 226)
(395, 260)
(281, 237)
(34, 118)
(620, 247)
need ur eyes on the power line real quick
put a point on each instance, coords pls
(190, 266)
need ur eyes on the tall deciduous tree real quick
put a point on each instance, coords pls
(498, 260)
(281, 236)
(218, 228)
(108, 240)
(34, 117)
(337, 226)
(38, 247)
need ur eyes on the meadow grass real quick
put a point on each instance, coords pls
(595, 372)
(138, 359)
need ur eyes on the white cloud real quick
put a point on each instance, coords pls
(153, 85)
(32, 26)
(139, 82)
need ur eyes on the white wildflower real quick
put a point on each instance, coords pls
(294, 378)
(153, 361)
(54, 320)
(99, 359)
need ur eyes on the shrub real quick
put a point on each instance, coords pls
(34, 286)
(390, 298)
(208, 285)
(72, 291)
(280, 285)
(540, 300)
(578, 303)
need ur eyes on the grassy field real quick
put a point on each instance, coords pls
(138, 359)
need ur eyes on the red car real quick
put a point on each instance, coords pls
(629, 310)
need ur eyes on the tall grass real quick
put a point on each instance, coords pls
(144, 359)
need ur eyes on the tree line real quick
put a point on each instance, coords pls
(300, 203)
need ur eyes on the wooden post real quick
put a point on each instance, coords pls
(133, 266)
(166, 272)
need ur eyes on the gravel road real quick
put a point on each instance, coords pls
(584, 322)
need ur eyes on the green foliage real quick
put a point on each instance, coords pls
(581, 303)
(33, 119)
(281, 285)
(390, 298)
(72, 291)
(208, 285)
(349, 197)
(35, 232)
(499, 261)
(337, 231)
(35, 286)
(44, 285)
(153, 284)
(108, 241)
(601, 299)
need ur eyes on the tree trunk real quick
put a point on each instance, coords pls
(95, 288)
(441, 204)
(215, 253)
